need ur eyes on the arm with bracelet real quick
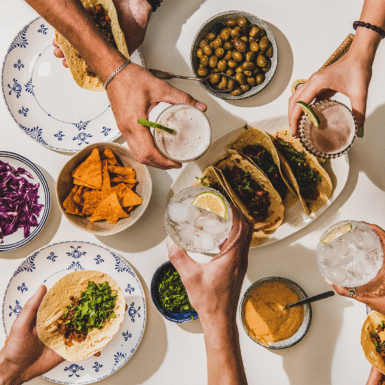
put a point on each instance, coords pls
(351, 74)
(132, 90)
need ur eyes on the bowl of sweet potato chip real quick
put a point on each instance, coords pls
(103, 189)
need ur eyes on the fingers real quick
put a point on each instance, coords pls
(179, 258)
(59, 53)
(175, 96)
(375, 377)
(358, 101)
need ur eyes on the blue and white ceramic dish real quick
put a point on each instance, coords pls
(178, 317)
(46, 102)
(51, 263)
(16, 240)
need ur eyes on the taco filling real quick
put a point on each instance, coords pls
(264, 160)
(249, 191)
(307, 177)
(376, 338)
(93, 309)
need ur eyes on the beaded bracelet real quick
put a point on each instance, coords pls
(155, 4)
(369, 26)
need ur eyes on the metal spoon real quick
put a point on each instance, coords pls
(168, 75)
(312, 299)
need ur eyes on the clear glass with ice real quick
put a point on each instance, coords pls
(352, 259)
(195, 229)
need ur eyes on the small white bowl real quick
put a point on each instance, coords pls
(65, 184)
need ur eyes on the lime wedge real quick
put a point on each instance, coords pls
(335, 233)
(156, 125)
(309, 111)
(212, 202)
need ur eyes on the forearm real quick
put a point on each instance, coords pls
(224, 359)
(8, 373)
(72, 21)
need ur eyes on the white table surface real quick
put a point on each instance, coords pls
(306, 33)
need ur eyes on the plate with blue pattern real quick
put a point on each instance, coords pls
(52, 262)
(34, 176)
(46, 102)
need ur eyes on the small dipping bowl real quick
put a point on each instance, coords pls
(178, 317)
(192, 135)
(335, 134)
(301, 332)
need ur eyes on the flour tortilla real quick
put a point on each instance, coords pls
(370, 324)
(325, 187)
(54, 305)
(76, 64)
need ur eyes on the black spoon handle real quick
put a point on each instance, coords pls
(312, 299)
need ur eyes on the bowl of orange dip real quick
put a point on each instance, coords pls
(264, 317)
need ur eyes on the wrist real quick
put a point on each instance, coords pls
(9, 373)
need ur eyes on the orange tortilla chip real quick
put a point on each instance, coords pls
(70, 205)
(126, 196)
(110, 157)
(89, 173)
(109, 209)
(78, 197)
(128, 172)
(122, 179)
(106, 176)
(92, 199)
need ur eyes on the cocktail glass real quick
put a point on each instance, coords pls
(336, 131)
(349, 254)
(193, 228)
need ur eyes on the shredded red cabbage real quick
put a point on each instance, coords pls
(19, 207)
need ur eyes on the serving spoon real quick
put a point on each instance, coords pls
(168, 75)
(312, 299)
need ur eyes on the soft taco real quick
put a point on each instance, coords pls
(252, 191)
(80, 314)
(309, 179)
(373, 339)
(257, 146)
(105, 17)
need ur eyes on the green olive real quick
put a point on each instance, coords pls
(240, 45)
(231, 23)
(211, 44)
(264, 44)
(232, 63)
(239, 70)
(267, 66)
(213, 61)
(269, 52)
(228, 56)
(261, 60)
(203, 43)
(255, 31)
(204, 61)
(240, 78)
(230, 72)
(217, 43)
(231, 84)
(228, 45)
(219, 52)
(248, 65)
(244, 38)
(254, 47)
(247, 73)
(237, 56)
(215, 78)
(260, 78)
(238, 91)
(202, 71)
(207, 50)
(245, 87)
(222, 65)
(250, 56)
(251, 81)
(251, 39)
(199, 53)
(235, 33)
(225, 35)
(256, 71)
(223, 84)
(210, 36)
(241, 21)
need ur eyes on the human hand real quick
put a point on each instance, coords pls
(24, 356)
(214, 287)
(373, 293)
(350, 76)
(375, 377)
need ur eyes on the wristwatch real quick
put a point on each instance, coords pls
(155, 4)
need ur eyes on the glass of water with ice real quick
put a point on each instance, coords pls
(349, 254)
(194, 228)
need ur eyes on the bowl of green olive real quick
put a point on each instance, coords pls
(237, 52)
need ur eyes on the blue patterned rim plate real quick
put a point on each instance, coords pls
(52, 262)
(45, 101)
(301, 332)
(178, 317)
(16, 240)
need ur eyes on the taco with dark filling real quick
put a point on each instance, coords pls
(80, 314)
(309, 179)
(104, 15)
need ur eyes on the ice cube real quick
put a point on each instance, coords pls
(355, 271)
(186, 233)
(204, 241)
(363, 239)
(211, 224)
(337, 275)
(179, 212)
(372, 258)
(365, 266)
(345, 249)
(329, 257)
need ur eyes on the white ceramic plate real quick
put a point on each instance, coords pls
(51, 263)
(16, 240)
(45, 101)
(295, 218)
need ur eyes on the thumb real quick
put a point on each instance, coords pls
(375, 377)
(175, 96)
(179, 258)
(28, 315)
(359, 109)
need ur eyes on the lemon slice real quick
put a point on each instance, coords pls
(212, 202)
(309, 111)
(333, 233)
